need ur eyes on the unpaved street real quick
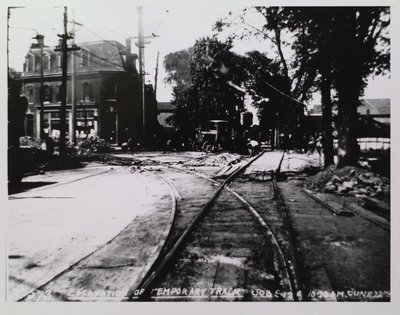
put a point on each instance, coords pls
(99, 233)
(53, 227)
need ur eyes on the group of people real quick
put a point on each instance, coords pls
(313, 144)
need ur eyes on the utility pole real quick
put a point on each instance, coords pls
(63, 110)
(40, 40)
(156, 75)
(141, 45)
(73, 85)
(141, 67)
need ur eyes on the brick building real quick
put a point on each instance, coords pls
(107, 92)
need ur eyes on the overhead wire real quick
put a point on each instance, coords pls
(284, 94)
(104, 59)
(99, 58)
(82, 27)
(105, 40)
(263, 98)
(94, 56)
(162, 20)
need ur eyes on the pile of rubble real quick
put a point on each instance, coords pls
(298, 162)
(351, 181)
(220, 159)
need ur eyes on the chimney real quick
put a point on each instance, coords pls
(40, 40)
(131, 62)
(128, 46)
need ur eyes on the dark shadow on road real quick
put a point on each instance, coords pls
(25, 186)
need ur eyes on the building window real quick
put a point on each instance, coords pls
(48, 93)
(85, 59)
(59, 60)
(85, 123)
(30, 63)
(53, 124)
(87, 92)
(46, 62)
(59, 93)
(29, 125)
(30, 95)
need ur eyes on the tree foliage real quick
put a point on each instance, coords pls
(296, 69)
(200, 91)
(335, 47)
(276, 109)
(360, 49)
(177, 65)
(288, 81)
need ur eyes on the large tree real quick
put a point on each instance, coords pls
(293, 78)
(200, 92)
(312, 30)
(345, 45)
(269, 89)
(361, 48)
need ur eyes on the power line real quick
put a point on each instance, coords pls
(107, 41)
(25, 28)
(85, 28)
(99, 58)
(262, 98)
(284, 94)
(103, 59)
(97, 63)
(162, 20)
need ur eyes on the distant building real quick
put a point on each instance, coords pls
(107, 92)
(373, 123)
(377, 109)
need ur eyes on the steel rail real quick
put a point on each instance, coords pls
(289, 272)
(155, 271)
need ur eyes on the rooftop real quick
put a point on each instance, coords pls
(100, 55)
(375, 106)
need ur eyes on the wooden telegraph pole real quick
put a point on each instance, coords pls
(141, 67)
(73, 86)
(141, 45)
(156, 75)
(63, 110)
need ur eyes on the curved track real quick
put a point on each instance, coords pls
(227, 251)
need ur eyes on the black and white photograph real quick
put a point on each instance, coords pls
(189, 151)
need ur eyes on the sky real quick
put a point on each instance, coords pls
(177, 23)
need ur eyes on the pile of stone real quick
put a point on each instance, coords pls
(211, 159)
(361, 184)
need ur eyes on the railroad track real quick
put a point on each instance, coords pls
(226, 251)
